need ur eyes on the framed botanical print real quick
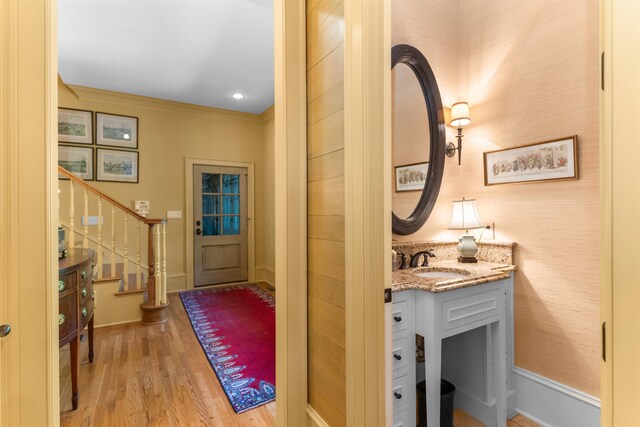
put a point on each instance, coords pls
(411, 177)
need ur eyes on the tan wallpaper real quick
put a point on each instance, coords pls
(530, 71)
(170, 132)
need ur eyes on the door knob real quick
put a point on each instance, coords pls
(198, 223)
(198, 231)
(4, 330)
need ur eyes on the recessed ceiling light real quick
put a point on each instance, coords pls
(238, 96)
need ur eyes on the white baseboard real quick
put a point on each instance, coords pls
(314, 419)
(265, 273)
(552, 404)
(483, 411)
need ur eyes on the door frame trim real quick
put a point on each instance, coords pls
(190, 162)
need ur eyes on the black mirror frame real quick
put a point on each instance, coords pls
(414, 59)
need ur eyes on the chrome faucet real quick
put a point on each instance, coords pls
(416, 257)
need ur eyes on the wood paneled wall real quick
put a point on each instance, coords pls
(326, 254)
(529, 70)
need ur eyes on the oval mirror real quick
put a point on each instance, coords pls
(418, 139)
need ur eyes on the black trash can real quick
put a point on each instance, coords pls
(447, 393)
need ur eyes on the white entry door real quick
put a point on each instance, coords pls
(220, 224)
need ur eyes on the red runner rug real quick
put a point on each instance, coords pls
(236, 327)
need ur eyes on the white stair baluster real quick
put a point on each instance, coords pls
(71, 241)
(138, 259)
(113, 241)
(99, 248)
(125, 266)
(164, 263)
(157, 269)
(85, 234)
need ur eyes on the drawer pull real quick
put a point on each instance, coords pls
(60, 286)
(61, 319)
(83, 274)
(84, 312)
(397, 357)
(397, 395)
(84, 292)
(397, 319)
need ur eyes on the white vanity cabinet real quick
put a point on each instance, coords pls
(440, 315)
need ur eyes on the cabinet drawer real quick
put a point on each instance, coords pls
(400, 318)
(403, 353)
(67, 320)
(403, 393)
(86, 273)
(405, 418)
(66, 282)
(467, 310)
(86, 291)
(86, 311)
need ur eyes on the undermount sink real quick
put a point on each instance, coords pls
(437, 274)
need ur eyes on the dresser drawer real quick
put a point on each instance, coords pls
(403, 393)
(466, 310)
(67, 320)
(66, 282)
(86, 273)
(403, 353)
(86, 291)
(86, 311)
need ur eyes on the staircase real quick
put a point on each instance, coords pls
(114, 232)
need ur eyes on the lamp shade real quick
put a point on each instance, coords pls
(465, 215)
(460, 114)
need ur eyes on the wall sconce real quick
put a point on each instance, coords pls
(464, 216)
(460, 117)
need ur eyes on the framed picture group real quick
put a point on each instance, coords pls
(106, 152)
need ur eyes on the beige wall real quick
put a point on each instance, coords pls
(529, 70)
(168, 133)
(265, 265)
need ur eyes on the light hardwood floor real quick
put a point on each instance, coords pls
(159, 376)
(151, 376)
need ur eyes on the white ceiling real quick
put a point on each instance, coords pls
(194, 51)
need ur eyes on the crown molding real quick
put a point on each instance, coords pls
(268, 115)
(98, 95)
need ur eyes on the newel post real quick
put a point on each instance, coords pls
(153, 310)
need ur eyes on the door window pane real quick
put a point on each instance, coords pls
(210, 183)
(211, 226)
(230, 205)
(231, 184)
(231, 225)
(210, 204)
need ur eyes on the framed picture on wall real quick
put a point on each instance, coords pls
(116, 131)
(75, 126)
(116, 165)
(77, 160)
(543, 161)
(411, 177)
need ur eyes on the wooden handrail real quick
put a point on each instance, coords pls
(99, 193)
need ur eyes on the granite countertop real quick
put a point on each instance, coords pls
(479, 273)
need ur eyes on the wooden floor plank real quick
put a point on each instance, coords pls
(150, 376)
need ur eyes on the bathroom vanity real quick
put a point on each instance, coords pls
(469, 303)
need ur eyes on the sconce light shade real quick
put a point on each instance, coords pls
(465, 215)
(460, 116)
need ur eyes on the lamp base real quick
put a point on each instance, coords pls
(467, 260)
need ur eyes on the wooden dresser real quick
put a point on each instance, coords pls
(75, 287)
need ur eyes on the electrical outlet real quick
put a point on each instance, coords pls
(174, 214)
